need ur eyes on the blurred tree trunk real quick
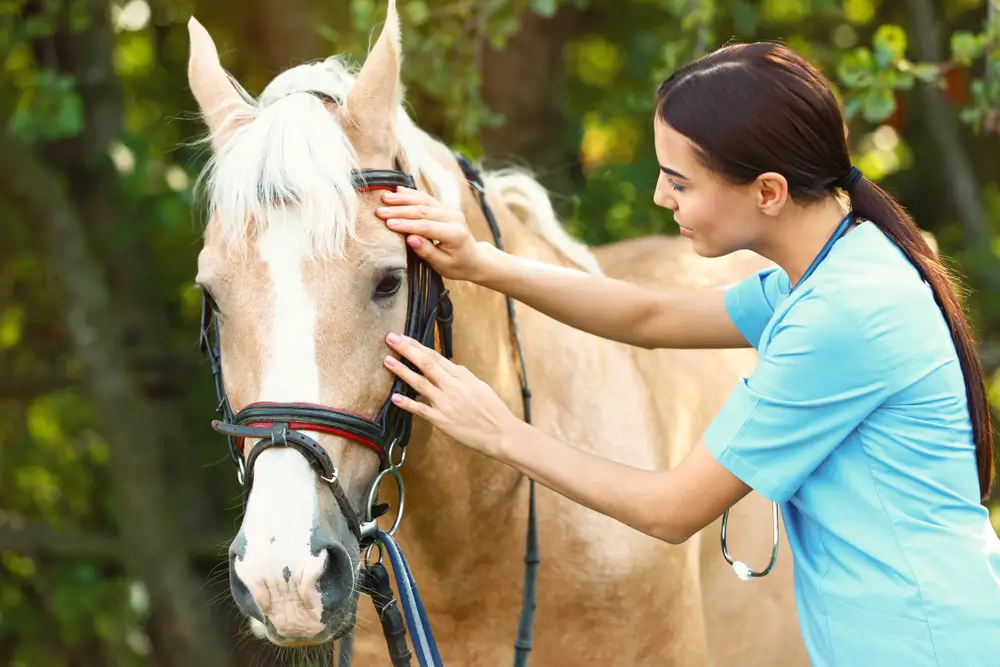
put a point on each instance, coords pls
(942, 125)
(125, 253)
(993, 19)
(285, 32)
(525, 82)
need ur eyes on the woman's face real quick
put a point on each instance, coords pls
(718, 217)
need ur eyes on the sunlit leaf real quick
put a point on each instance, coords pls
(889, 43)
(859, 11)
(11, 324)
(416, 12)
(857, 68)
(965, 47)
(879, 103)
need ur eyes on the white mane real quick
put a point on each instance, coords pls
(288, 151)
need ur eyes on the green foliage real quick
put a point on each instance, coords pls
(874, 75)
(49, 109)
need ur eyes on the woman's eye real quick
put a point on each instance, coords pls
(388, 286)
(677, 186)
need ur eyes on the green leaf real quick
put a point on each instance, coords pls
(857, 68)
(965, 47)
(890, 44)
(853, 105)
(35, 27)
(416, 12)
(899, 79)
(545, 8)
(51, 109)
(879, 103)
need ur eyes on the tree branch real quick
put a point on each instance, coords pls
(38, 539)
(33, 386)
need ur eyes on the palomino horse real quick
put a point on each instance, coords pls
(307, 282)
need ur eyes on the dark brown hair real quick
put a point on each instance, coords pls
(753, 108)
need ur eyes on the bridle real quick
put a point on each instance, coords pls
(429, 307)
(284, 424)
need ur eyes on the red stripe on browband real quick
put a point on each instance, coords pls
(299, 426)
(369, 188)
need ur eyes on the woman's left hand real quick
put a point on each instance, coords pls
(460, 404)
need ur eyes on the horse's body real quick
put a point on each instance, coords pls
(293, 267)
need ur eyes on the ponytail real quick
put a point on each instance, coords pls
(871, 202)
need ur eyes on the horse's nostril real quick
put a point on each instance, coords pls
(336, 583)
(242, 596)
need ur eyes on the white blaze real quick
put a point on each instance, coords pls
(282, 509)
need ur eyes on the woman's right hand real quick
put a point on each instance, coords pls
(438, 235)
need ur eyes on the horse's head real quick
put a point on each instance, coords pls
(306, 282)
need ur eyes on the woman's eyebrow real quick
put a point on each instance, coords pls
(670, 172)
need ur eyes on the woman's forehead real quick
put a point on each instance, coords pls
(673, 149)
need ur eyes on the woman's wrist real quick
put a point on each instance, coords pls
(488, 266)
(508, 438)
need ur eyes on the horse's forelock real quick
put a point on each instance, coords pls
(295, 153)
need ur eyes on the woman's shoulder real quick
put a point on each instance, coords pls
(871, 293)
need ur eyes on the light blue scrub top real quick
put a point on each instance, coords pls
(855, 420)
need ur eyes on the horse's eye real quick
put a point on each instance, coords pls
(388, 285)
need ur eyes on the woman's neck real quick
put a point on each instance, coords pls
(795, 238)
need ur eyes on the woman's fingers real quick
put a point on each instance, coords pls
(423, 384)
(408, 196)
(429, 361)
(432, 229)
(417, 408)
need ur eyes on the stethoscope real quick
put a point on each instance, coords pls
(741, 569)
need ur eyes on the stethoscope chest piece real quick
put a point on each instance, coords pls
(741, 569)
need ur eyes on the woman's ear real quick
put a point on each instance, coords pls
(771, 192)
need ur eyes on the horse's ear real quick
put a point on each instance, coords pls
(212, 89)
(372, 101)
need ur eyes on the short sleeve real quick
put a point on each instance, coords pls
(818, 377)
(750, 302)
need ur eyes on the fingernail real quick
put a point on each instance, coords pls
(392, 222)
(382, 210)
(413, 241)
(396, 398)
(390, 361)
(393, 338)
(388, 196)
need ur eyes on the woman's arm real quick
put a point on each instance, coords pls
(671, 504)
(602, 306)
(611, 308)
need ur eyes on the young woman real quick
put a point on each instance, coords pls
(866, 416)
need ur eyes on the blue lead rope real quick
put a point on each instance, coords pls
(413, 607)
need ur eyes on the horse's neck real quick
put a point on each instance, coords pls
(460, 497)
